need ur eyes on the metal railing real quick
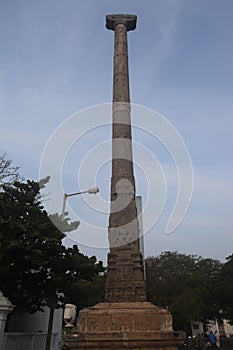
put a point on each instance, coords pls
(28, 341)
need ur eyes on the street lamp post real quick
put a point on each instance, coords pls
(93, 190)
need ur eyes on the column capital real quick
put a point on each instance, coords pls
(129, 21)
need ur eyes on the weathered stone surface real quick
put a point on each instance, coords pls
(125, 279)
(129, 21)
(124, 326)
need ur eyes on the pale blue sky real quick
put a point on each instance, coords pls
(56, 59)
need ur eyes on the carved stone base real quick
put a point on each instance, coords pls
(139, 325)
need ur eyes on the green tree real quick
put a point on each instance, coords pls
(183, 284)
(85, 281)
(163, 274)
(224, 289)
(36, 270)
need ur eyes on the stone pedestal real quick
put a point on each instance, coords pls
(139, 325)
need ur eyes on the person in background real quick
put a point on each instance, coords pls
(202, 342)
(217, 339)
(212, 339)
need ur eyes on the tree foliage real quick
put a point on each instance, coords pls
(183, 284)
(36, 269)
(224, 289)
(85, 285)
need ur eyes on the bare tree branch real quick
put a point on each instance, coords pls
(8, 172)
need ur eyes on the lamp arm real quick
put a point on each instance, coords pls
(90, 190)
(74, 194)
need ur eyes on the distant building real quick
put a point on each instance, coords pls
(226, 328)
(196, 327)
(223, 327)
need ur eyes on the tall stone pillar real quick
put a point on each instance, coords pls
(125, 280)
(125, 320)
